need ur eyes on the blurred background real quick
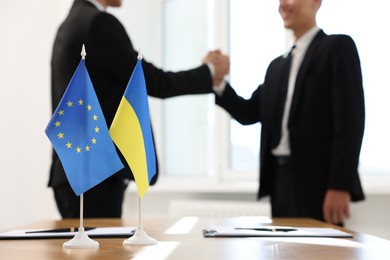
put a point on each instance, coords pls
(209, 163)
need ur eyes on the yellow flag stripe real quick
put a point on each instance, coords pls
(127, 135)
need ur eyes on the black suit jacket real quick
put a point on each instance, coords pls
(326, 120)
(110, 61)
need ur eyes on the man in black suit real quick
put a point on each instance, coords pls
(311, 107)
(110, 61)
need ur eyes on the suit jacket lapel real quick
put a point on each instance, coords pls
(303, 71)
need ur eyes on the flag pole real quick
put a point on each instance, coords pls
(81, 239)
(140, 237)
(139, 211)
(119, 125)
(81, 210)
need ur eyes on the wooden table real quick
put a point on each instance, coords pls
(182, 239)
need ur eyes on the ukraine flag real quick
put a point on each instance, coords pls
(131, 130)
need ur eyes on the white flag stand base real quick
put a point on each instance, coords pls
(140, 238)
(81, 240)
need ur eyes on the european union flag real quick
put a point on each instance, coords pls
(79, 134)
(132, 133)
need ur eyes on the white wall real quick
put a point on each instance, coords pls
(27, 31)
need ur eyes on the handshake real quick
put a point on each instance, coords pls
(221, 65)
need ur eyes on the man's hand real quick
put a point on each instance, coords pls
(336, 206)
(221, 65)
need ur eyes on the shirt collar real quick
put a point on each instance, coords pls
(303, 42)
(98, 5)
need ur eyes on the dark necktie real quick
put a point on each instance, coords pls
(284, 75)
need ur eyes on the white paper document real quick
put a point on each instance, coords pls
(273, 231)
(100, 232)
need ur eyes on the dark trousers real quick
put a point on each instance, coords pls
(284, 200)
(102, 201)
(283, 197)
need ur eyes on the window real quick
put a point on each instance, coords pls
(256, 37)
(187, 120)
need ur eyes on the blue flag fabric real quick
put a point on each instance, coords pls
(79, 134)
